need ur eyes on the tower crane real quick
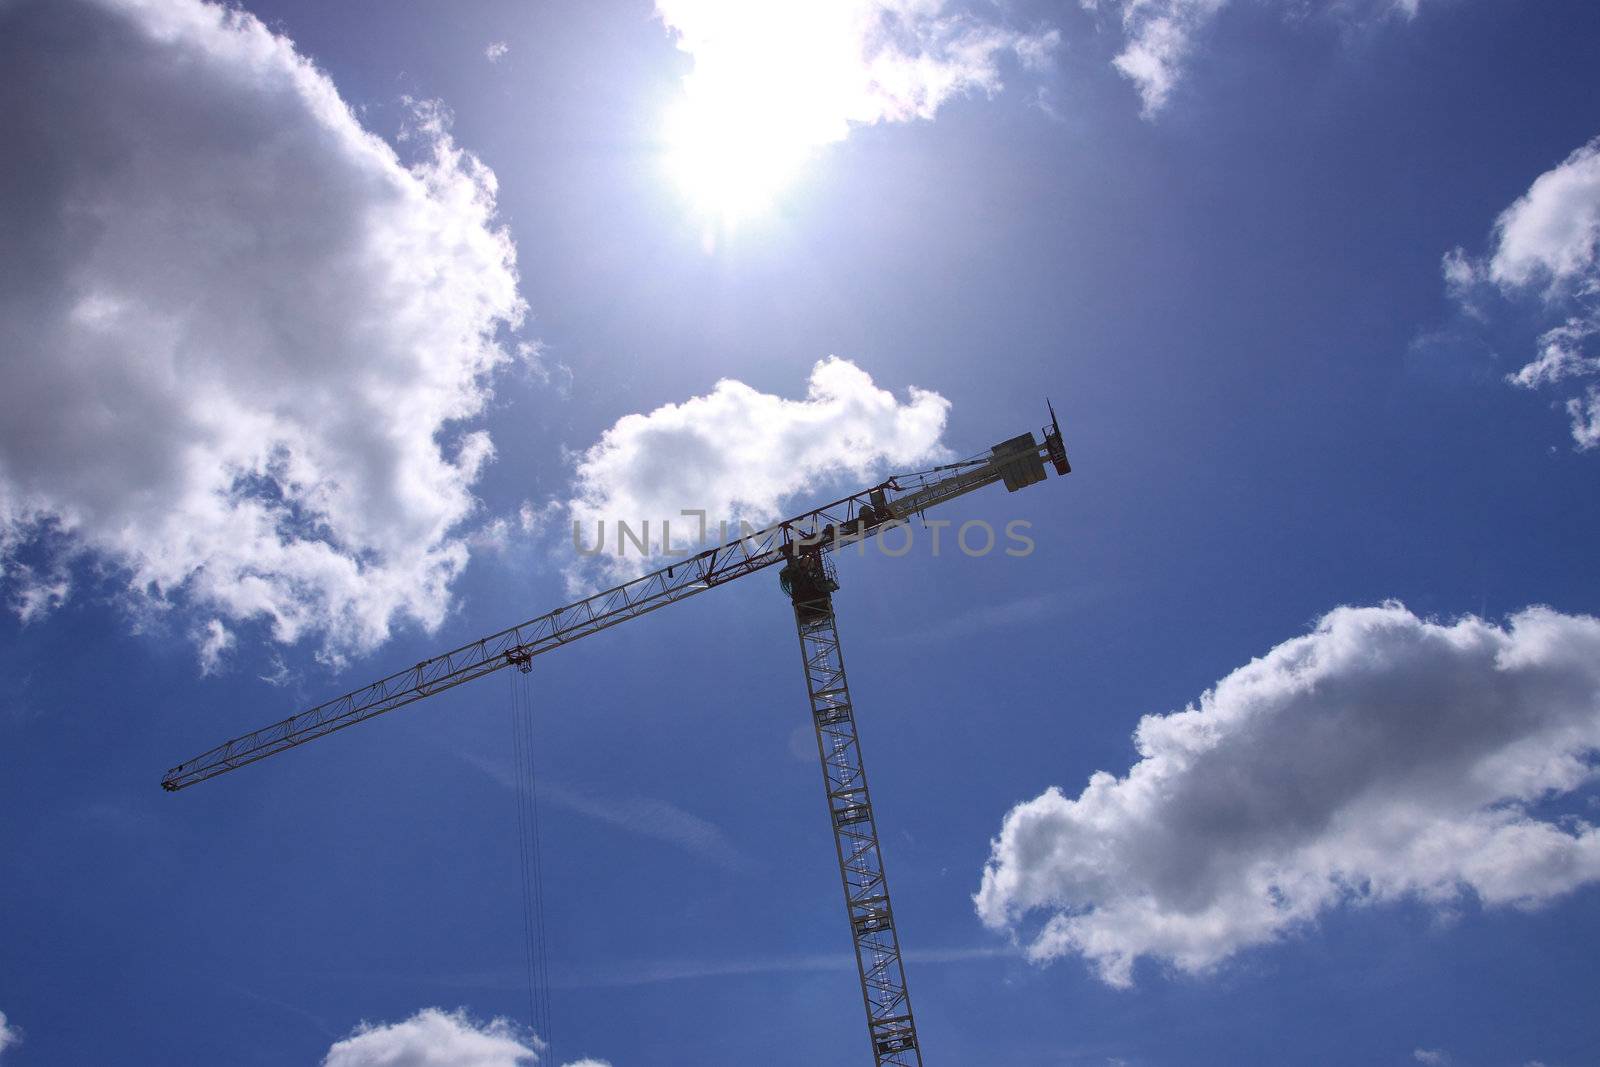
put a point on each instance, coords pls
(800, 546)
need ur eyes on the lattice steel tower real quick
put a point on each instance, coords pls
(810, 582)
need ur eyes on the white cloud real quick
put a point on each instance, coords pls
(1434, 1057)
(33, 595)
(496, 51)
(214, 641)
(1381, 757)
(1546, 251)
(774, 81)
(1560, 356)
(1551, 235)
(492, 536)
(9, 1035)
(739, 454)
(533, 519)
(242, 336)
(1461, 273)
(1585, 414)
(1159, 36)
(278, 674)
(532, 357)
(436, 1038)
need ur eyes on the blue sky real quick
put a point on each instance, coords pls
(322, 322)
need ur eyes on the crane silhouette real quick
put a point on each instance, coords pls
(801, 547)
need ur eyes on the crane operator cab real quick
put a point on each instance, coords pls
(809, 581)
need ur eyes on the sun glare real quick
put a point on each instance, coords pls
(767, 92)
(773, 85)
(729, 159)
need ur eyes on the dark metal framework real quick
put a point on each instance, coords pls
(890, 1025)
(802, 543)
(849, 520)
(834, 524)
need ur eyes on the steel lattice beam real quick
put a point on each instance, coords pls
(831, 525)
(890, 1025)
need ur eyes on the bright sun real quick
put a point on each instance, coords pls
(766, 93)
(729, 156)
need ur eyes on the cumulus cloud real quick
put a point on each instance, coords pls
(436, 1038)
(1551, 235)
(496, 51)
(1159, 37)
(1381, 757)
(738, 454)
(244, 339)
(774, 81)
(1545, 253)
(8, 1034)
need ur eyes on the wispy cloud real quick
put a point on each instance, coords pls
(979, 620)
(652, 972)
(636, 972)
(214, 641)
(657, 819)
(316, 1021)
(649, 817)
(1161, 36)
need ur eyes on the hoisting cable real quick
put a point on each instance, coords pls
(531, 852)
(960, 464)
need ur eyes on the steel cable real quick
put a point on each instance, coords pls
(531, 854)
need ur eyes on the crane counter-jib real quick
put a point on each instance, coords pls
(1018, 462)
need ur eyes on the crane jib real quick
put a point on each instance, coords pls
(1017, 462)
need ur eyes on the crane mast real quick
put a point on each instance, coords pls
(809, 579)
(802, 544)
